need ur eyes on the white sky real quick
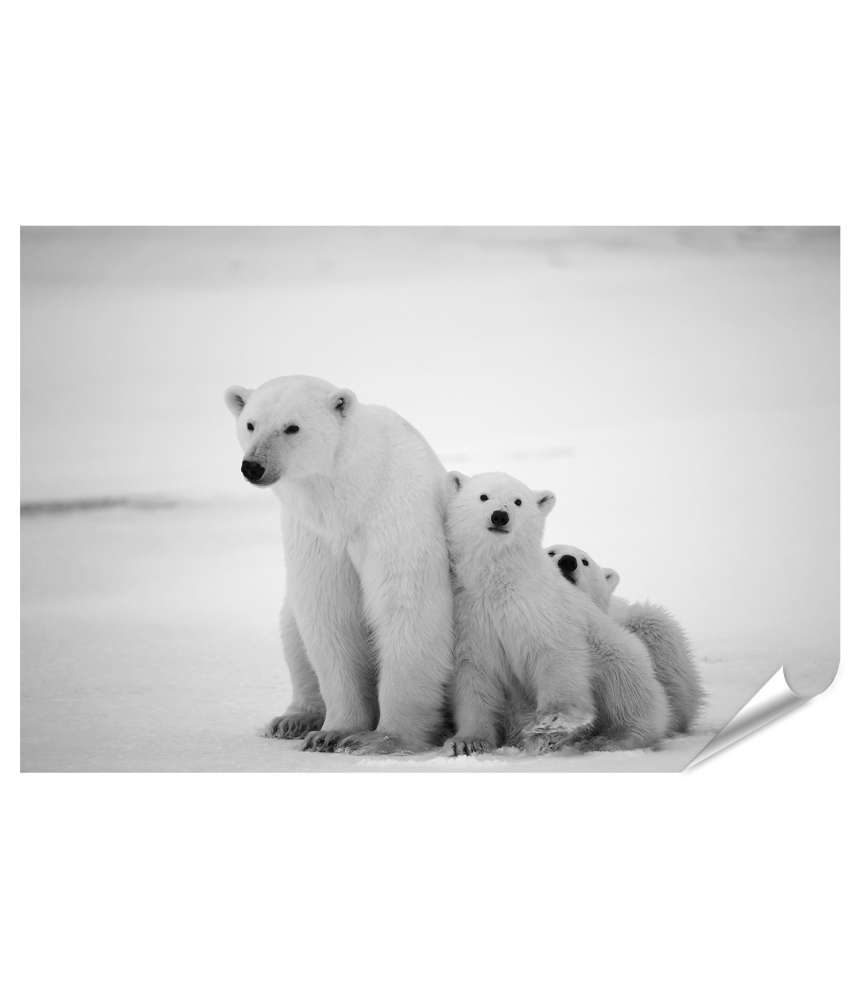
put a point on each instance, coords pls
(487, 340)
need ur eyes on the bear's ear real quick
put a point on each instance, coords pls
(343, 401)
(454, 482)
(236, 397)
(611, 578)
(546, 501)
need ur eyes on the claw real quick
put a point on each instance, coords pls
(467, 748)
(293, 725)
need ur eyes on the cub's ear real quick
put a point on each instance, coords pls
(343, 401)
(546, 501)
(236, 397)
(454, 482)
(612, 579)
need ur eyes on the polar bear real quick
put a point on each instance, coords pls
(655, 626)
(579, 568)
(533, 666)
(367, 621)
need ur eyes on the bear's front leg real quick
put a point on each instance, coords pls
(477, 697)
(565, 709)
(306, 711)
(327, 604)
(408, 601)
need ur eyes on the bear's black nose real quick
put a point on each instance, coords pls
(253, 471)
(498, 518)
(568, 564)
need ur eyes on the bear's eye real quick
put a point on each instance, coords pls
(483, 497)
(551, 553)
(250, 426)
(291, 429)
(585, 562)
(516, 503)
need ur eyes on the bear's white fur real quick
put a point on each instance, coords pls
(655, 626)
(579, 568)
(532, 665)
(367, 620)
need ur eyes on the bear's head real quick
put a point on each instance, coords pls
(290, 427)
(493, 512)
(579, 568)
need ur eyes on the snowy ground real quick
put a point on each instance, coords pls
(678, 391)
(167, 658)
(149, 642)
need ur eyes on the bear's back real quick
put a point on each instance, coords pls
(402, 433)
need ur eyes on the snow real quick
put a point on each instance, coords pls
(677, 391)
(149, 642)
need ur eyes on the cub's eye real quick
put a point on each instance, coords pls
(516, 503)
(551, 553)
(250, 426)
(291, 429)
(585, 562)
(483, 497)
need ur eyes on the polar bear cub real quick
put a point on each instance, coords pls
(655, 626)
(579, 568)
(532, 665)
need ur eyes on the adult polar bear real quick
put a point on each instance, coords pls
(367, 619)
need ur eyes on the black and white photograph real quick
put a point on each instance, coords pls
(428, 498)
(433, 531)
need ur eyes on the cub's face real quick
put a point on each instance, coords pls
(289, 428)
(580, 569)
(492, 511)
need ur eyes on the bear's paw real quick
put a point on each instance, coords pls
(324, 740)
(546, 742)
(552, 730)
(378, 742)
(294, 725)
(460, 747)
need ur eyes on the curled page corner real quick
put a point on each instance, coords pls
(810, 676)
(773, 700)
(799, 678)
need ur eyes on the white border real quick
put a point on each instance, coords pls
(730, 879)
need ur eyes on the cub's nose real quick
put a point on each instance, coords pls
(568, 564)
(253, 471)
(499, 518)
